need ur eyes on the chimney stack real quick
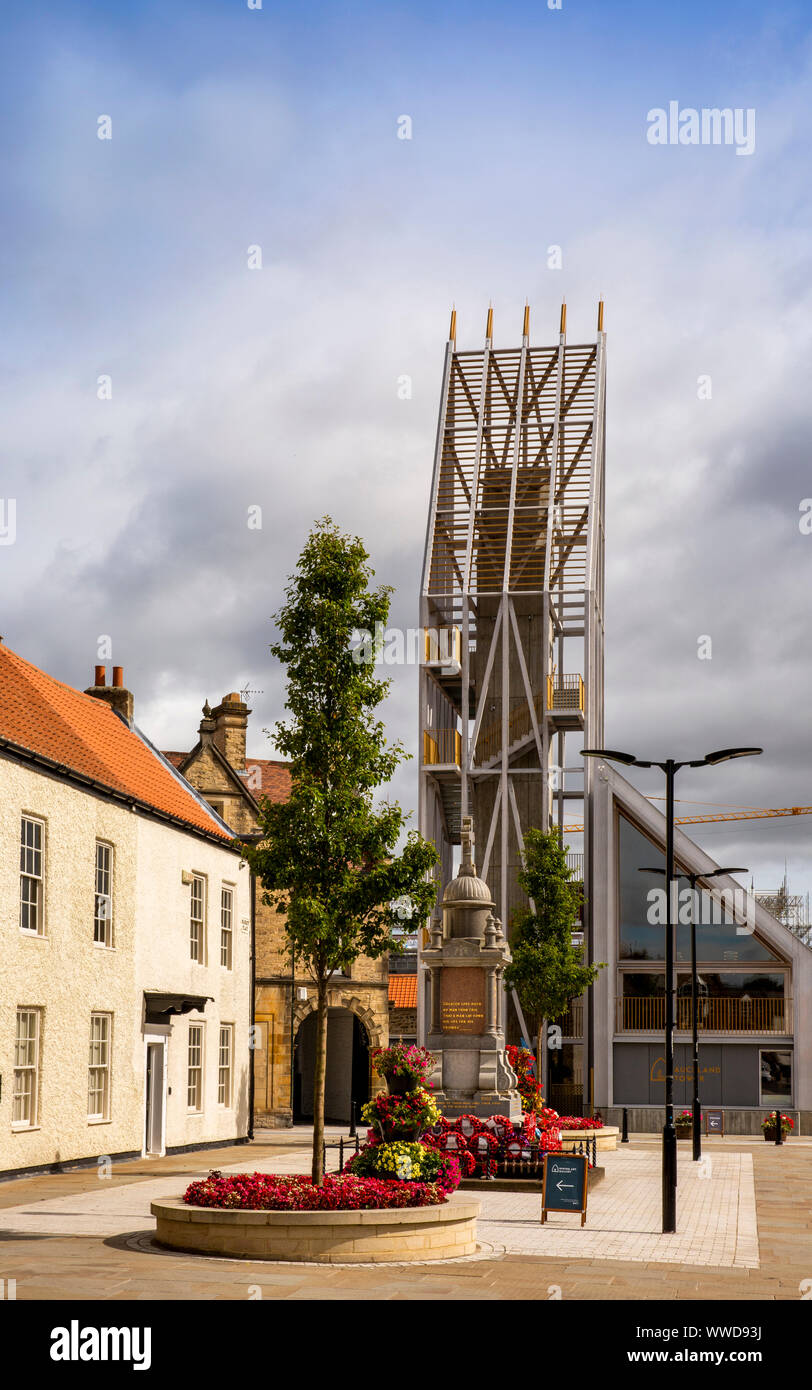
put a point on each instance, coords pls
(115, 694)
(230, 727)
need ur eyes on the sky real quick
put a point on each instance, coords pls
(157, 384)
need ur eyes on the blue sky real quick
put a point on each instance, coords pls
(233, 387)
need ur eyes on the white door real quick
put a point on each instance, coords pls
(155, 1098)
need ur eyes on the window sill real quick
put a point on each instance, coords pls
(102, 946)
(100, 1121)
(24, 1129)
(33, 935)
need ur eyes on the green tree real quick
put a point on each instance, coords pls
(326, 857)
(547, 971)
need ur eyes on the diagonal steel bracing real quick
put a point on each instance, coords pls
(514, 558)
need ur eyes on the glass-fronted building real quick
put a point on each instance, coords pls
(754, 979)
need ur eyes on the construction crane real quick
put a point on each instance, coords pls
(744, 813)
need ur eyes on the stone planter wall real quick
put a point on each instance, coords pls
(605, 1138)
(415, 1234)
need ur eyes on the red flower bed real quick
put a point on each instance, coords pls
(278, 1192)
(578, 1122)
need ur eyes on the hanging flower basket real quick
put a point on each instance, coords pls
(403, 1068)
(399, 1085)
(401, 1117)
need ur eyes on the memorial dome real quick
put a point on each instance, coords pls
(467, 887)
(467, 901)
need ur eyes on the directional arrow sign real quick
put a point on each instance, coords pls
(565, 1184)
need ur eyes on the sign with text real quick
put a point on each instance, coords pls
(714, 1121)
(565, 1184)
(462, 1000)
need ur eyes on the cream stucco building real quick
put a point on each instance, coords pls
(125, 993)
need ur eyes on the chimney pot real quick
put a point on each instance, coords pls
(115, 694)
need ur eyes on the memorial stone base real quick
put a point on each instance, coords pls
(466, 960)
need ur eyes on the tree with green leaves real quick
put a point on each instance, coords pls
(547, 971)
(327, 857)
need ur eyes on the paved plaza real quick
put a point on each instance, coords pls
(744, 1231)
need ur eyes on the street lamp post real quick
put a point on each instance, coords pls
(694, 879)
(670, 767)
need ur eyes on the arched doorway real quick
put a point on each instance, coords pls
(347, 1067)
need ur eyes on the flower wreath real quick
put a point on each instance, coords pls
(473, 1123)
(452, 1142)
(501, 1126)
(484, 1147)
(456, 1145)
(518, 1149)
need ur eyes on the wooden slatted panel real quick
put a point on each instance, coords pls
(453, 499)
(455, 483)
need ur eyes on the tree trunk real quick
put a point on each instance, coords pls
(319, 1078)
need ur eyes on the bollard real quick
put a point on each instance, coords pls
(341, 1154)
(324, 1157)
(779, 1138)
(624, 1138)
(357, 1144)
(353, 1130)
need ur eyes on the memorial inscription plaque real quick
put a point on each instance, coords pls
(462, 1001)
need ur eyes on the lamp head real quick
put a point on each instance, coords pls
(612, 755)
(723, 754)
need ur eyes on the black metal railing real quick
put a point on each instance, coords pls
(514, 1158)
(346, 1148)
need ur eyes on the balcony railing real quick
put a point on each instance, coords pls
(442, 747)
(713, 1015)
(575, 862)
(572, 1022)
(442, 646)
(565, 692)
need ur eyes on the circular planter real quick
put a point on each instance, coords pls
(415, 1234)
(605, 1138)
(769, 1135)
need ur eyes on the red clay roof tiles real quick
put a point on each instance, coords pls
(403, 991)
(275, 776)
(84, 734)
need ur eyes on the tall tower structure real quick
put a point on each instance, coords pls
(512, 604)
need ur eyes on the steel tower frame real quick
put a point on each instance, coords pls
(513, 570)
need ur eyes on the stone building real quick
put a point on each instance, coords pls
(125, 992)
(233, 785)
(403, 993)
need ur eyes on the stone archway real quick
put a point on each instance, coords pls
(352, 1034)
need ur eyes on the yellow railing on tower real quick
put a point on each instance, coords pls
(442, 747)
